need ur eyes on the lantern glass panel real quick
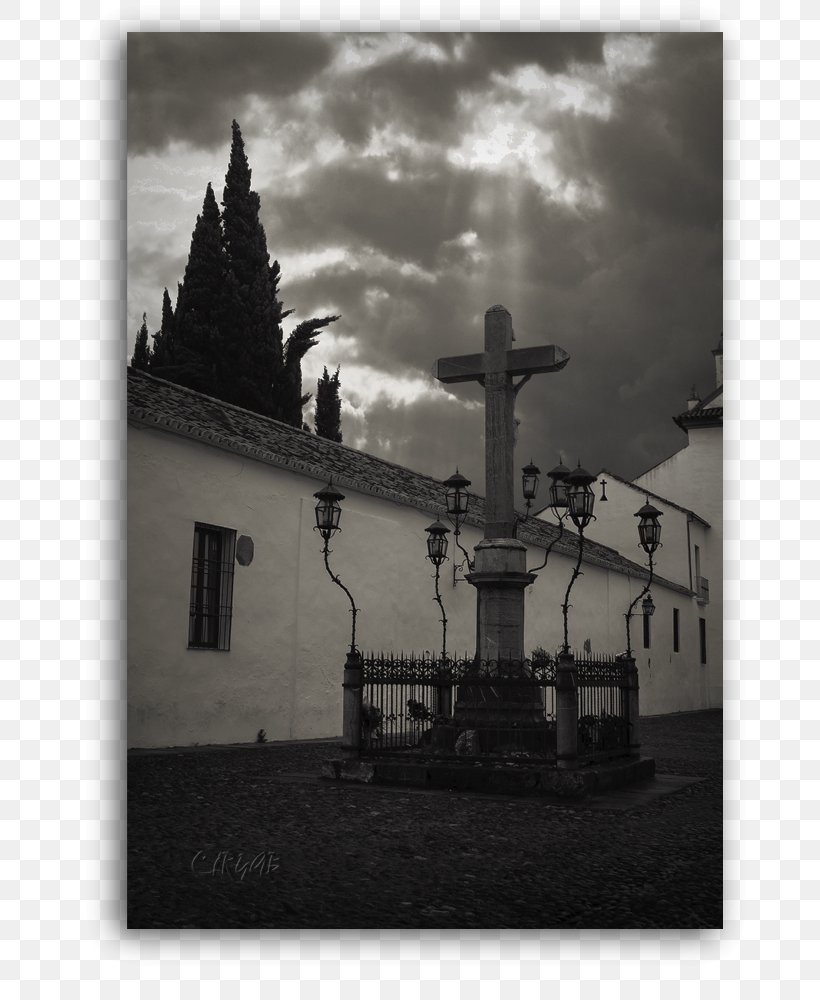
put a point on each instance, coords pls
(437, 543)
(437, 548)
(558, 495)
(327, 517)
(456, 502)
(529, 481)
(530, 487)
(581, 502)
(649, 531)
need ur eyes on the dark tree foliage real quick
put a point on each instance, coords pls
(195, 360)
(140, 356)
(253, 335)
(290, 397)
(329, 407)
(162, 353)
(275, 273)
(226, 338)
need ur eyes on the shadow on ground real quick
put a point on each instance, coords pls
(250, 837)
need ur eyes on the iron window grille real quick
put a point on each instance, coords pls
(209, 621)
(675, 630)
(647, 634)
(702, 630)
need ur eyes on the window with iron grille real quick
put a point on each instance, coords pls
(647, 634)
(209, 622)
(675, 630)
(702, 630)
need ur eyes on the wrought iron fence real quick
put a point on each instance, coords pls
(475, 709)
(603, 706)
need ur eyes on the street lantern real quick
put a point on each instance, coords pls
(529, 482)
(580, 498)
(457, 500)
(649, 528)
(558, 489)
(328, 512)
(580, 501)
(558, 506)
(649, 533)
(456, 487)
(437, 543)
(437, 552)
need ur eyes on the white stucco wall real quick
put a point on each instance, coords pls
(694, 478)
(616, 526)
(291, 624)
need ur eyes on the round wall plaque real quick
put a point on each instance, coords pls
(244, 550)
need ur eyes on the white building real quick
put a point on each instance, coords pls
(693, 477)
(688, 488)
(234, 625)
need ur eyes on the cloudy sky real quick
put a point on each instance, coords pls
(409, 182)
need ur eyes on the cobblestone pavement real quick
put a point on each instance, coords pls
(320, 855)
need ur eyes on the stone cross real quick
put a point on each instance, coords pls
(495, 369)
(499, 573)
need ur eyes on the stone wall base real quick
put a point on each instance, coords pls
(503, 779)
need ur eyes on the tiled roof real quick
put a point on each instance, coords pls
(711, 416)
(153, 402)
(702, 415)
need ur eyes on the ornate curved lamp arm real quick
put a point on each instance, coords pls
(575, 574)
(353, 609)
(465, 553)
(628, 614)
(437, 598)
(551, 545)
(456, 523)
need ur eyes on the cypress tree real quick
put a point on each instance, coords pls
(253, 336)
(279, 313)
(289, 390)
(225, 337)
(140, 357)
(162, 353)
(198, 344)
(329, 407)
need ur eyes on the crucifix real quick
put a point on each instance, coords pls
(500, 568)
(495, 370)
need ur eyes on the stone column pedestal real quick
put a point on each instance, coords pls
(500, 577)
(501, 710)
(352, 705)
(632, 706)
(566, 710)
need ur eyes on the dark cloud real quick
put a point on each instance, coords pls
(629, 284)
(428, 435)
(554, 52)
(422, 97)
(188, 87)
(355, 203)
(656, 158)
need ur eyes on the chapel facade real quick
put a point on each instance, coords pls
(234, 626)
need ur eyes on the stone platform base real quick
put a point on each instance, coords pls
(499, 778)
